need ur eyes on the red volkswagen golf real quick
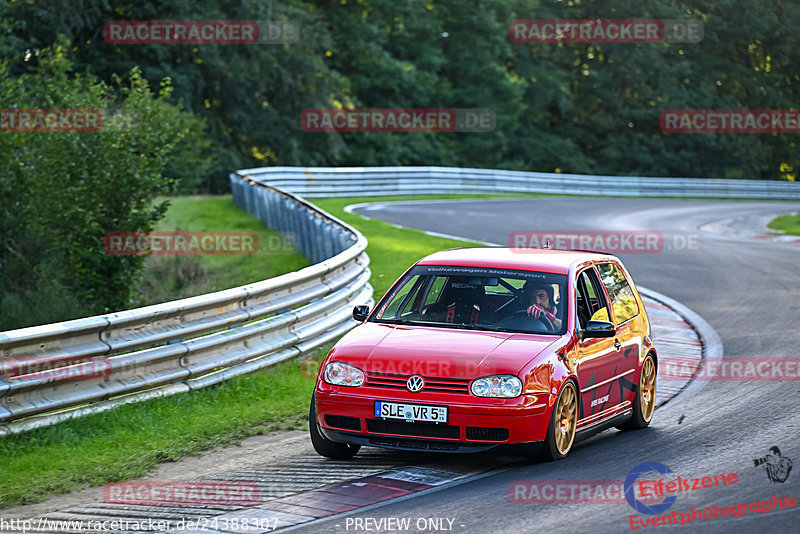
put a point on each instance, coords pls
(478, 347)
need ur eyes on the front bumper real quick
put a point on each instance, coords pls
(473, 425)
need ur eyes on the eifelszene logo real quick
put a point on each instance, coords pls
(639, 505)
(778, 467)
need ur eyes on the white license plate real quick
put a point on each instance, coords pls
(411, 412)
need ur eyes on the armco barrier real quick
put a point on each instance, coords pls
(191, 343)
(196, 342)
(371, 181)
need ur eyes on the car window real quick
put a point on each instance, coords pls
(498, 290)
(400, 298)
(590, 292)
(581, 310)
(591, 304)
(623, 301)
(477, 298)
(435, 290)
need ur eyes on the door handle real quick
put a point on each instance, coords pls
(617, 345)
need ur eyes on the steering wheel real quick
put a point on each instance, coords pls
(542, 318)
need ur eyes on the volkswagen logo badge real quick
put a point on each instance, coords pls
(415, 383)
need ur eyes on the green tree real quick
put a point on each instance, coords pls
(63, 191)
(573, 107)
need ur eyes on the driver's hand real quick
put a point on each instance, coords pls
(537, 311)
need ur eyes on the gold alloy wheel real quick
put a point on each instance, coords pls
(647, 388)
(566, 415)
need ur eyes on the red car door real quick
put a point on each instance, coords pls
(597, 357)
(625, 310)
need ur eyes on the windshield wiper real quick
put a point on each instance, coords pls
(396, 321)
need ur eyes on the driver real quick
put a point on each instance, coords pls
(540, 297)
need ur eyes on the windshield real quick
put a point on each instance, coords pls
(502, 300)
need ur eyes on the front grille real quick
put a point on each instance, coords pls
(428, 430)
(443, 385)
(486, 433)
(415, 444)
(342, 421)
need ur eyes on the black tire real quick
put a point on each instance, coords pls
(550, 449)
(324, 446)
(642, 416)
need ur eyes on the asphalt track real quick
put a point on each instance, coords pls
(748, 289)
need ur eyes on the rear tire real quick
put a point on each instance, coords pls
(644, 402)
(561, 430)
(324, 446)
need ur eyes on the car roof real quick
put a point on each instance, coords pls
(526, 259)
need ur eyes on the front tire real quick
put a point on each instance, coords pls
(644, 402)
(561, 430)
(324, 446)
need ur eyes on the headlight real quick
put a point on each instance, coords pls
(505, 386)
(343, 374)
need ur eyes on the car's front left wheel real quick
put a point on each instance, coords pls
(324, 446)
(561, 430)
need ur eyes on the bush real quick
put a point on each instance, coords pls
(63, 191)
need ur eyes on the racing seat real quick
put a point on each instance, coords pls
(461, 303)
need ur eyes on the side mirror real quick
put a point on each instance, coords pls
(360, 313)
(598, 329)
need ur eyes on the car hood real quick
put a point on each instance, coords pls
(439, 352)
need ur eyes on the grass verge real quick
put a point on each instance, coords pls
(166, 278)
(788, 224)
(130, 441)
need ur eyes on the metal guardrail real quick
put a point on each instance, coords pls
(372, 181)
(192, 343)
